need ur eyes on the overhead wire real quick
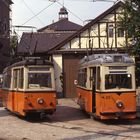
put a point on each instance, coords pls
(35, 15)
(38, 13)
(32, 12)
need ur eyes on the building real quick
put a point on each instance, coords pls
(101, 35)
(4, 32)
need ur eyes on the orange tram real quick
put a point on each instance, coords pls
(28, 87)
(106, 86)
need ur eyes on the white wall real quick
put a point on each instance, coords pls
(57, 60)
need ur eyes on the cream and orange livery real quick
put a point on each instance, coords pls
(28, 87)
(106, 86)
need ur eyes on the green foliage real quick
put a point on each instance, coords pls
(13, 41)
(13, 45)
(131, 24)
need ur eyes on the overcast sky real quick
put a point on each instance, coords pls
(39, 13)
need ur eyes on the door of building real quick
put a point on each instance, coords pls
(70, 65)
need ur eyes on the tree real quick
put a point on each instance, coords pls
(13, 44)
(131, 24)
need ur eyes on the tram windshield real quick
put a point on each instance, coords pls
(39, 80)
(118, 81)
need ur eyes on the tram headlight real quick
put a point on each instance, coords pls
(40, 101)
(119, 104)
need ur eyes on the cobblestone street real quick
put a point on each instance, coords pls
(68, 123)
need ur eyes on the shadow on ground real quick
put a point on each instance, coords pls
(62, 114)
(4, 113)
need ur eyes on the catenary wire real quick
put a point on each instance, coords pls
(38, 13)
(33, 12)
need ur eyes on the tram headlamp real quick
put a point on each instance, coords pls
(40, 101)
(119, 104)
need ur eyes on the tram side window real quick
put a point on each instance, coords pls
(18, 79)
(21, 78)
(98, 78)
(7, 79)
(82, 77)
(15, 78)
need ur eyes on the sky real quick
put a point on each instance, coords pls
(40, 13)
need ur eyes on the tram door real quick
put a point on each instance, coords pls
(93, 84)
(17, 85)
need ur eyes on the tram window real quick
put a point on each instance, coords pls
(82, 77)
(39, 80)
(118, 81)
(93, 78)
(15, 78)
(21, 78)
(98, 78)
(7, 79)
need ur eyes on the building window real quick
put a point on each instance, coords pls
(120, 32)
(110, 30)
(129, 33)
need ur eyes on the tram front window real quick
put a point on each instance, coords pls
(118, 81)
(39, 80)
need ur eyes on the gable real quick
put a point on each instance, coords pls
(95, 32)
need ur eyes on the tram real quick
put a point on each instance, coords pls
(28, 87)
(106, 86)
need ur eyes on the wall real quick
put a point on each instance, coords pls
(57, 60)
(99, 36)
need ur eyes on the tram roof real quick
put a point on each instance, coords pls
(96, 59)
(31, 62)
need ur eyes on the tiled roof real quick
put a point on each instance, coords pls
(40, 42)
(62, 25)
(87, 26)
